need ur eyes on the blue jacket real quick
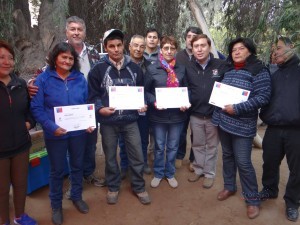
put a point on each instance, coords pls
(54, 91)
(255, 78)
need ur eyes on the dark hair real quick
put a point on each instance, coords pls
(8, 47)
(112, 37)
(285, 40)
(150, 30)
(199, 36)
(62, 47)
(195, 30)
(168, 40)
(248, 43)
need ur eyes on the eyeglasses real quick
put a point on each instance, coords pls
(169, 48)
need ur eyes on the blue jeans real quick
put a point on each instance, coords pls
(89, 163)
(143, 124)
(57, 152)
(237, 155)
(166, 136)
(110, 135)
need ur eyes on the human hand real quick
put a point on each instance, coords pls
(107, 111)
(229, 109)
(28, 126)
(90, 129)
(32, 89)
(143, 109)
(60, 132)
(184, 108)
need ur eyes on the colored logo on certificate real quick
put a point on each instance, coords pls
(245, 93)
(90, 107)
(140, 89)
(59, 110)
(218, 85)
(113, 89)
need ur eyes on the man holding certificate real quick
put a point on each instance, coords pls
(107, 81)
(203, 71)
(167, 98)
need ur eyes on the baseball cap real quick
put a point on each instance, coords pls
(111, 32)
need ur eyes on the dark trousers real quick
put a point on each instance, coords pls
(277, 143)
(57, 151)
(183, 142)
(89, 163)
(13, 171)
(130, 133)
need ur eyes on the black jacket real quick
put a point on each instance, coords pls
(201, 82)
(105, 74)
(156, 77)
(14, 112)
(284, 106)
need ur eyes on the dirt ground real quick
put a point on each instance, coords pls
(189, 204)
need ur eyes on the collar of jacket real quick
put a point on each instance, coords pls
(73, 74)
(293, 60)
(253, 65)
(127, 60)
(14, 82)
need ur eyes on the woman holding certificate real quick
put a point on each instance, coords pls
(166, 123)
(15, 140)
(237, 122)
(62, 84)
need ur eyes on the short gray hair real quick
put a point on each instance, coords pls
(75, 19)
(136, 36)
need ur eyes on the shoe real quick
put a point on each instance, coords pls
(172, 182)
(155, 182)
(25, 220)
(292, 214)
(68, 193)
(252, 211)
(81, 206)
(147, 170)
(92, 179)
(266, 194)
(208, 182)
(224, 194)
(57, 216)
(112, 197)
(124, 172)
(144, 197)
(195, 177)
(178, 163)
(191, 168)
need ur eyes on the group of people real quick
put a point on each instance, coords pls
(75, 75)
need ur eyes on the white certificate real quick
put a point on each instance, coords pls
(75, 117)
(223, 94)
(172, 97)
(126, 97)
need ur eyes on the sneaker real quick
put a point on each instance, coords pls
(155, 182)
(172, 182)
(68, 193)
(112, 197)
(92, 179)
(195, 177)
(178, 163)
(147, 169)
(25, 220)
(292, 214)
(208, 182)
(144, 197)
(191, 168)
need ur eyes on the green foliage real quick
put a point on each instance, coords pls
(6, 19)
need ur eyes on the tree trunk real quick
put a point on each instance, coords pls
(34, 43)
(198, 14)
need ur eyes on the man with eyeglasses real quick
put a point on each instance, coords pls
(282, 137)
(137, 46)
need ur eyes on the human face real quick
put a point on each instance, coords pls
(64, 62)
(152, 40)
(282, 52)
(168, 52)
(6, 62)
(137, 48)
(239, 53)
(201, 50)
(75, 33)
(188, 40)
(114, 49)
